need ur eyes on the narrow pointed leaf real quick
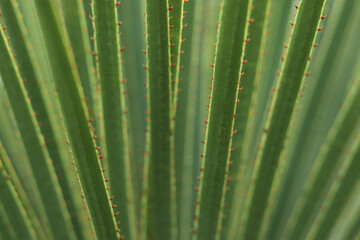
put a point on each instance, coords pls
(227, 68)
(81, 140)
(296, 60)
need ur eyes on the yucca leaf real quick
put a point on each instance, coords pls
(298, 53)
(176, 26)
(354, 230)
(131, 15)
(186, 141)
(6, 230)
(113, 98)
(20, 193)
(30, 72)
(14, 148)
(76, 120)
(339, 195)
(199, 34)
(281, 135)
(347, 225)
(326, 163)
(159, 202)
(14, 208)
(242, 126)
(73, 13)
(34, 145)
(227, 68)
(314, 133)
(278, 32)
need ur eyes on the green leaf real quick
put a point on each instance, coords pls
(227, 68)
(113, 99)
(76, 121)
(13, 206)
(326, 163)
(244, 119)
(6, 230)
(339, 195)
(73, 14)
(25, 58)
(278, 32)
(306, 139)
(185, 121)
(13, 145)
(176, 26)
(131, 14)
(298, 53)
(23, 198)
(159, 201)
(34, 145)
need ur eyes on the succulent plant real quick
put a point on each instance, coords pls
(92, 146)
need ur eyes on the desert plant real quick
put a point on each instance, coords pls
(92, 146)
